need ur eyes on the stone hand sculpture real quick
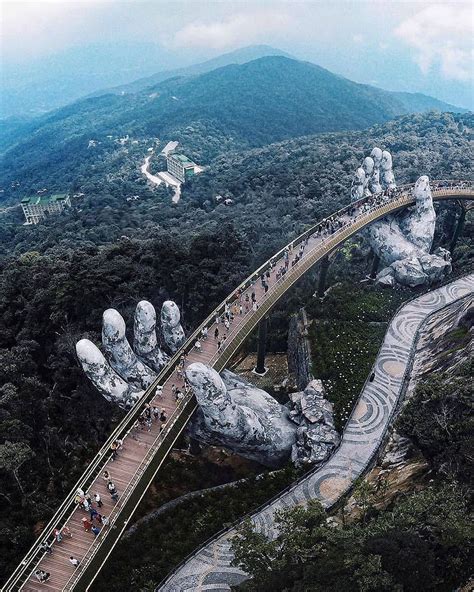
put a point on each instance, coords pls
(234, 413)
(231, 411)
(402, 241)
(123, 374)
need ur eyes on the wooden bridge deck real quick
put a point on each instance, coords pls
(140, 444)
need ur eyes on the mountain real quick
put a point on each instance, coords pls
(252, 104)
(238, 56)
(78, 72)
(274, 98)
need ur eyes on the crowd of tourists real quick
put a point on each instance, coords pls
(93, 522)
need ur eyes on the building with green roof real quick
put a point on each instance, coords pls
(37, 207)
(180, 167)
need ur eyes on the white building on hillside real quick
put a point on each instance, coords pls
(38, 207)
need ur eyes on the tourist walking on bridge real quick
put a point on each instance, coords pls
(57, 534)
(42, 576)
(113, 448)
(45, 548)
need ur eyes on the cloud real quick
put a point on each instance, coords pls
(239, 28)
(358, 38)
(441, 35)
(31, 28)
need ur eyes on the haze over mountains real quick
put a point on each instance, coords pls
(251, 104)
(33, 89)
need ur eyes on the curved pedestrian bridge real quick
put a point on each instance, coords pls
(143, 451)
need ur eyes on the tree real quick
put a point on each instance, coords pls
(371, 577)
(13, 455)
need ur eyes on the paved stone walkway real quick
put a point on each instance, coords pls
(210, 568)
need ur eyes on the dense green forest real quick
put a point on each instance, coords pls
(58, 277)
(233, 107)
(277, 189)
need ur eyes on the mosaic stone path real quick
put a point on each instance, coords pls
(210, 568)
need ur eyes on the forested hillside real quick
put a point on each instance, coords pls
(237, 106)
(58, 277)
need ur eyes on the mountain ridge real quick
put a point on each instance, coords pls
(238, 56)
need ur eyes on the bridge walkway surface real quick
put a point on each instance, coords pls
(144, 451)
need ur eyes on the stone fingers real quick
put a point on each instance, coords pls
(119, 353)
(172, 331)
(112, 386)
(145, 342)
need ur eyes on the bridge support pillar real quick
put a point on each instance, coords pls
(375, 266)
(459, 227)
(323, 276)
(261, 347)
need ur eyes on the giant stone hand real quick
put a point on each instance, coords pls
(402, 241)
(123, 374)
(233, 412)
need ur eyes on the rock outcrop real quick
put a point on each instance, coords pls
(299, 349)
(402, 241)
(316, 436)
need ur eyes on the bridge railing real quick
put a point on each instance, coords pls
(66, 509)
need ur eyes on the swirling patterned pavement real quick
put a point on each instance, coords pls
(210, 568)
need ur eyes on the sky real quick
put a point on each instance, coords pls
(411, 45)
